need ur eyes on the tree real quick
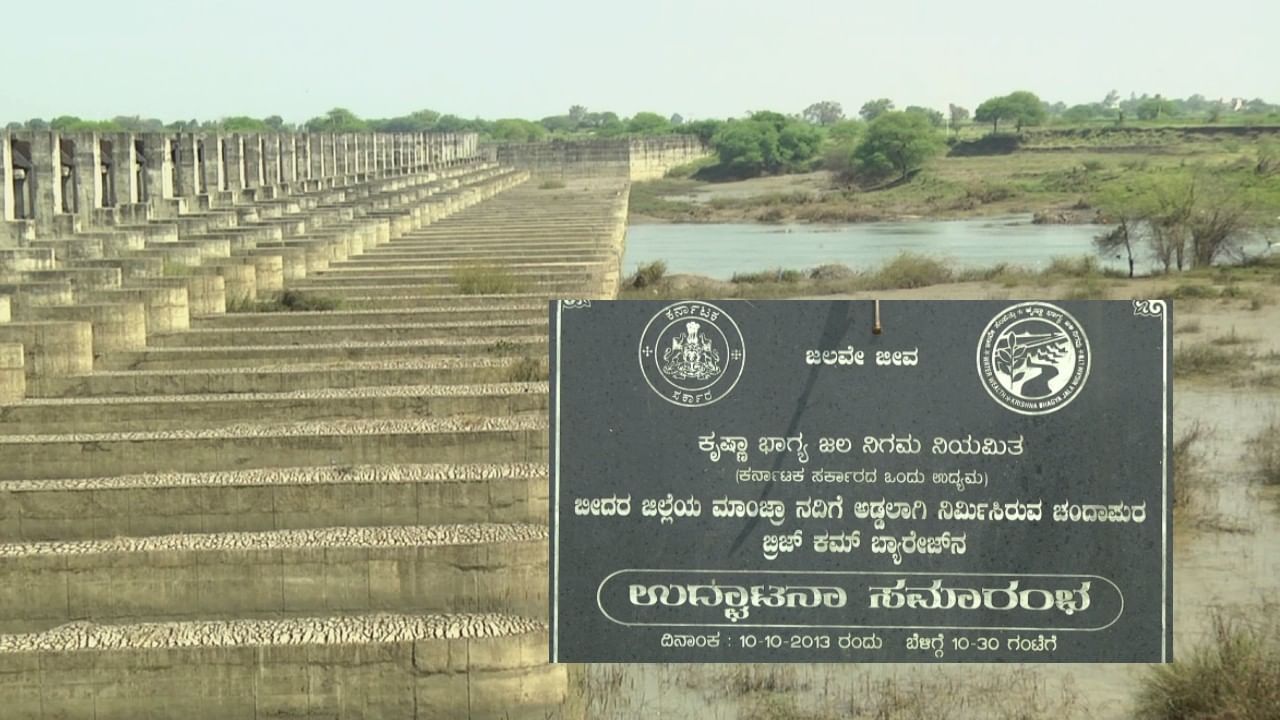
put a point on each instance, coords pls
(825, 113)
(577, 113)
(274, 122)
(846, 132)
(13, 126)
(648, 123)
(37, 124)
(1022, 107)
(1154, 108)
(896, 141)
(959, 116)
(873, 109)
(243, 123)
(933, 116)
(747, 147)
(517, 130)
(798, 144)
(676, 119)
(704, 129)
(1109, 102)
(337, 120)
(558, 124)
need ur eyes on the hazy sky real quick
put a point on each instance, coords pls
(180, 60)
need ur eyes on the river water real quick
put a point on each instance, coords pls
(720, 250)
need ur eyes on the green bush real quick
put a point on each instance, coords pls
(910, 270)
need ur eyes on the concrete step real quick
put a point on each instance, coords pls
(261, 445)
(158, 413)
(364, 278)
(277, 573)
(427, 288)
(394, 254)
(271, 499)
(480, 313)
(253, 335)
(286, 377)
(189, 358)
(419, 666)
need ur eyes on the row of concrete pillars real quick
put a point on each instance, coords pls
(50, 174)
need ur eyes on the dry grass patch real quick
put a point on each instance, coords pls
(485, 280)
(1264, 453)
(527, 369)
(1207, 360)
(1235, 675)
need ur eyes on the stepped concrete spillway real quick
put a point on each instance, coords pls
(273, 424)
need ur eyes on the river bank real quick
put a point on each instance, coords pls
(1055, 187)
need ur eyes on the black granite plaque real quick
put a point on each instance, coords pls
(739, 481)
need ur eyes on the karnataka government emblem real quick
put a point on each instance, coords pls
(1033, 358)
(691, 353)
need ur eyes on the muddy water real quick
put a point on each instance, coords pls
(1228, 557)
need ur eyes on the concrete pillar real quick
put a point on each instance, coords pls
(88, 185)
(233, 147)
(255, 172)
(187, 168)
(288, 160)
(124, 167)
(211, 162)
(6, 183)
(45, 158)
(315, 152)
(271, 160)
(327, 142)
(158, 181)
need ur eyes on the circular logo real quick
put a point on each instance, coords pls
(691, 353)
(1033, 358)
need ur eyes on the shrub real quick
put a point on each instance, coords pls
(1076, 267)
(1264, 452)
(910, 270)
(1204, 359)
(649, 275)
(551, 184)
(1236, 674)
(526, 369)
(763, 276)
(485, 280)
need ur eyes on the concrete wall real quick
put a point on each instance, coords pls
(294, 573)
(55, 184)
(428, 679)
(643, 158)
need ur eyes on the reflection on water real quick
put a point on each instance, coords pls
(1212, 568)
(720, 250)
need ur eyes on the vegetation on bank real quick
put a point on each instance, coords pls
(1234, 674)
(909, 270)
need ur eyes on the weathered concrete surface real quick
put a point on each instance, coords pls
(302, 460)
(265, 499)
(630, 158)
(449, 568)
(433, 667)
(13, 374)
